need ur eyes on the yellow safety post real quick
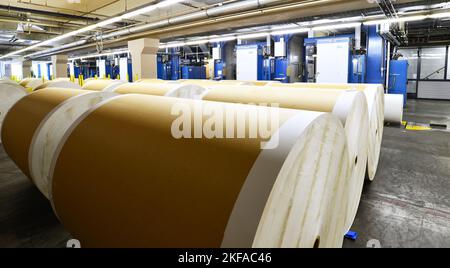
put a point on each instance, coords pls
(118, 77)
(109, 76)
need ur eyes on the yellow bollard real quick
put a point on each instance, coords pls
(95, 77)
(136, 78)
(109, 76)
(118, 77)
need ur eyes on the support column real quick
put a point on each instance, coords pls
(59, 66)
(26, 68)
(143, 55)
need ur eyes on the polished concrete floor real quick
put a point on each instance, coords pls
(408, 204)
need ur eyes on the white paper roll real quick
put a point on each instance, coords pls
(393, 108)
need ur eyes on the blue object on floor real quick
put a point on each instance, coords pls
(352, 235)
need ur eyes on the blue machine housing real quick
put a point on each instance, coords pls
(356, 72)
(398, 78)
(168, 69)
(49, 67)
(376, 56)
(219, 64)
(193, 72)
(281, 64)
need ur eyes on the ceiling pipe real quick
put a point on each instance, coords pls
(9, 8)
(204, 14)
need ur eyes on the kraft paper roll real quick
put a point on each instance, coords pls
(52, 129)
(102, 85)
(24, 81)
(58, 83)
(33, 84)
(375, 101)
(150, 80)
(262, 83)
(188, 91)
(349, 106)
(10, 93)
(393, 108)
(25, 117)
(141, 187)
(201, 82)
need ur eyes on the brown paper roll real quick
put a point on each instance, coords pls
(201, 82)
(141, 187)
(149, 80)
(349, 106)
(99, 84)
(24, 82)
(51, 130)
(58, 83)
(189, 91)
(375, 101)
(25, 117)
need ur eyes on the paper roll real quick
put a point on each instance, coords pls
(51, 130)
(150, 80)
(10, 93)
(375, 101)
(24, 81)
(25, 117)
(189, 91)
(58, 83)
(141, 187)
(349, 106)
(33, 84)
(262, 83)
(393, 108)
(102, 85)
(201, 82)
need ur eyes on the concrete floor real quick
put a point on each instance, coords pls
(408, 204)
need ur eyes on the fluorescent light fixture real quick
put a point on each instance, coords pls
(197, 42)
(148, 9)
(440, 15)
(401, 19)
(101, 54)
(222, 39)
(290, 31)
(336, 26)
(173, 45)
(252, 36)
(110, 21)
(215, 39)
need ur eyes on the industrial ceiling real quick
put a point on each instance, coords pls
(28, 22)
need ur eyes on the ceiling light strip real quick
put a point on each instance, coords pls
(104, 23)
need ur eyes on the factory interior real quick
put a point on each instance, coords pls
(224, 124)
